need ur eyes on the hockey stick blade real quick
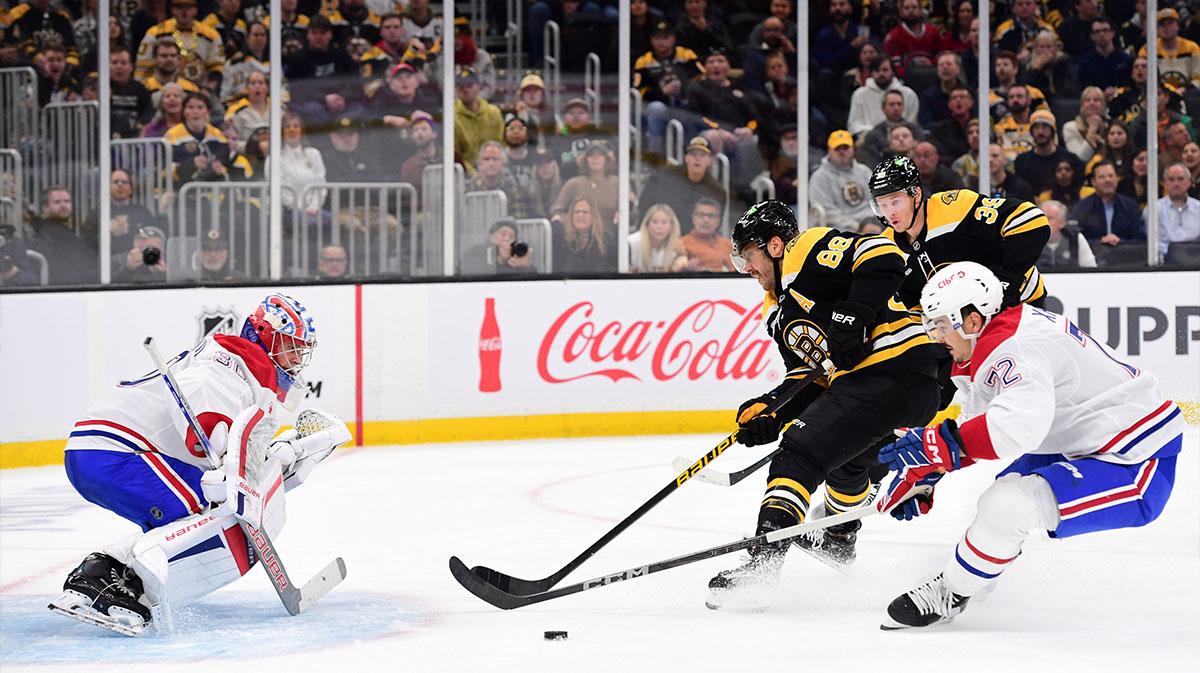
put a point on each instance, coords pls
(718, 478)
(329, 577)
(518, 586)
(504, 600)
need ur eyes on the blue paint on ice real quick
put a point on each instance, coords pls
(222, 626)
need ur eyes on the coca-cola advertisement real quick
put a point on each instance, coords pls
(601, 345)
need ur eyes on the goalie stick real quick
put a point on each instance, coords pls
(509, 601)
(718, 478)
(294, 600)
(522, 587)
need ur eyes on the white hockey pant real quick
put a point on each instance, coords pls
(1008, 511)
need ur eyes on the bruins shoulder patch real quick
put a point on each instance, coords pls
(949, 197)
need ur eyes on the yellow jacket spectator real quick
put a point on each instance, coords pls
(35, 25)
(201, 54)
(1178, 57)
(475, 119)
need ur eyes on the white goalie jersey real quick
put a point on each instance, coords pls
(219, 377)
(1039, 384)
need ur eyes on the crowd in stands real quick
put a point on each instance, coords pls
(1066, 116)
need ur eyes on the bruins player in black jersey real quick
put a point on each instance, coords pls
(829, 294)
(933, 230)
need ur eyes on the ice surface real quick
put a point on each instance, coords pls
(1115, 601)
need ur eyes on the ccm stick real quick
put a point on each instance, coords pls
(718, 478)
(509, 601)
(294, 600)
(521, 587)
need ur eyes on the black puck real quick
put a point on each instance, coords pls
(555, 635)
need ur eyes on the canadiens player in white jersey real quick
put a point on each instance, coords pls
(1092, 439)
(134, 454)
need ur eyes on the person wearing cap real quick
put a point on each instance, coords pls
(576, 134)
(214, 257)
(495, 256)
(346, 159)
(682, 186)
(874, 144)
(720, 105)
(475, 119)
(131, 266)
(469, 54)
(201, 49)
(596, 182)
(1178, 57)
(661, 75)
(839, 185)
(699, 31)
(323, 81)
(403, 95)
(531, 101)
(34, 24)
(1038, 164)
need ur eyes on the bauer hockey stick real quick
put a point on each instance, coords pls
(508, 601)
(518, 586)
(718, 478)
(294, 600)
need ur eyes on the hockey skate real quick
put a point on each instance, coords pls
(750, 585)
(833, 546)
(930, 603)
(104, 592)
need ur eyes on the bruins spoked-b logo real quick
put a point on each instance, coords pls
(807, 341)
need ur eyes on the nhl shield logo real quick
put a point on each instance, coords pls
(218, 320)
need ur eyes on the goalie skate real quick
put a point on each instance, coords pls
(106, 593)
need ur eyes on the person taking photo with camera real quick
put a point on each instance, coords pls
(145, 262)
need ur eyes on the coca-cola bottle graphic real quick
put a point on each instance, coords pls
(489, 349)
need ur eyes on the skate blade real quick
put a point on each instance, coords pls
(890, 624)
(68, 607)
(837, 565)
(756, 599)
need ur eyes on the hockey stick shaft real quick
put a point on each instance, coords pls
(517, 585)
(292, 597)
(507, 601)
(731, 478)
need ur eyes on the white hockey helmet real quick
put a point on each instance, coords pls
(955, 287)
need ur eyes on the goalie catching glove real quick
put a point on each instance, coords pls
(299, 449)
(921, 457)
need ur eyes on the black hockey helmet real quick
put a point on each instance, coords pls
(763, 222)
(894, 175)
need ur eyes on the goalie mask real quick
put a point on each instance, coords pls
(953, 290)
(285, 334)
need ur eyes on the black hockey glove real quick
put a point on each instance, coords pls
(755, 427)
(848, 333)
